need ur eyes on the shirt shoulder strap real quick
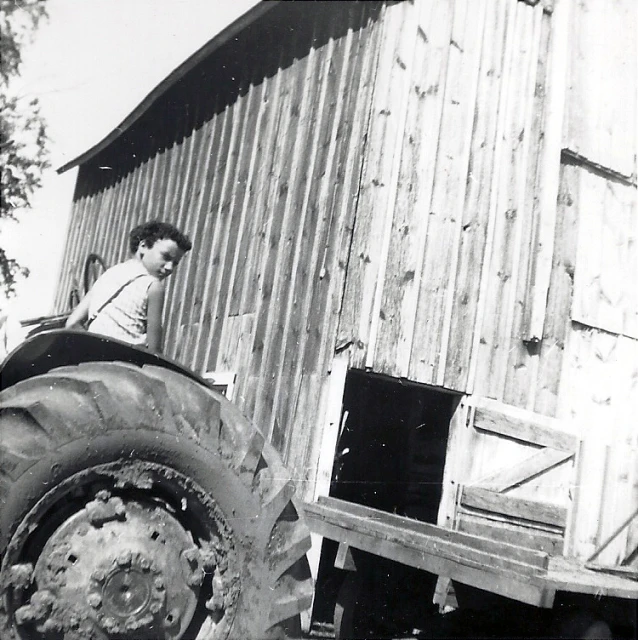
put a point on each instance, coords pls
(116, 293)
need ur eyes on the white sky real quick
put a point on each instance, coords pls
(90, 65)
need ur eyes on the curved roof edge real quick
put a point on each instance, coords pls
(175, 76)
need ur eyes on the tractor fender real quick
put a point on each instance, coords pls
(63, 347)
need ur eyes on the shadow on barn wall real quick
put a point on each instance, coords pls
(286, 34)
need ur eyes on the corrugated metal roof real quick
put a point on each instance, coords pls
(210, 47)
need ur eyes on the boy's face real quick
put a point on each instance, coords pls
(161, 258)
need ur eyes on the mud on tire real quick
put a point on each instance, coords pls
(136, 503)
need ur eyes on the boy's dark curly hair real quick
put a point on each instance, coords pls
(155, 230)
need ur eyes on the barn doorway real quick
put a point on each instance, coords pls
(390, 455)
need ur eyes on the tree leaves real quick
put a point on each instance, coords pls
(23, 139)
(18, 20)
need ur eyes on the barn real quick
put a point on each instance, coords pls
(415, 252)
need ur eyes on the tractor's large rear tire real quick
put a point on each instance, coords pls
(136, 503)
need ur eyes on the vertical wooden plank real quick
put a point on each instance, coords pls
(415, 183)
(255, 95)
(228, 345)
(119, 220)
(546, 187)
(253, 203)
(158, 195)
(166, 155)
(427, 361)
(329, 295)
(175, 166)
(69, 267)
(276, 185)
(188, 169)
(311, 403)
(188, 220)
(615, 507)
(306, 310)
(119, 188)
(232, 204)
(223, 229)
(595, 448)
(136, 211)
(276, 278)
(310, 333)
(212, 134)
(296, 205)
(455, 463)
(145, 170)
(494, 345)
(155, 185)
(495, 192)
(192, 202)
(557, 323)
(375, 189)
(329, 433)
(631, 550)
(101, 234)
(108, 210)
(620, 396)
(90, 239)
(478, 194)
(331, 266)
(328, 436)
(149, 184)
(206, 270)
(397, 108)
(336, 156)
(72, 259)
(523, 360)
(120, 249)
(244, 298)
(235, 343)
(62, 293)
(178, 214)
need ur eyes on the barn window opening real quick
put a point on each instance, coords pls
(391, 451)
(390, 455)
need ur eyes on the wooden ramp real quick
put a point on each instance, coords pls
(509, 570)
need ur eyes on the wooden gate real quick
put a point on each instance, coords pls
(514, 484)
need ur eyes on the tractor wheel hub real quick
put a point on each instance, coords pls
(118, 568)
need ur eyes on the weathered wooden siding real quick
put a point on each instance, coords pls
(418, 186)
(259, 160)
(599, 392)
(584, 369)
(452, 200)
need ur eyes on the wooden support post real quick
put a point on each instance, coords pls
(344, 559)
(329, 437)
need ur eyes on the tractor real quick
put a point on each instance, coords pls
(136, 502)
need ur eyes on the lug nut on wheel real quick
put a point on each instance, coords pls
(95, 600)
(21, 575)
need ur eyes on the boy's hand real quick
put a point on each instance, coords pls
(80, 314)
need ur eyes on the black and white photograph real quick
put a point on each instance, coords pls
(318, 319)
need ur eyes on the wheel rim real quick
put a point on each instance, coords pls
(132, 551)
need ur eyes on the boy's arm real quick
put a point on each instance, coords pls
(154, 316)
(80, 313)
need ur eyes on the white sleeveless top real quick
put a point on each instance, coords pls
(119, 303)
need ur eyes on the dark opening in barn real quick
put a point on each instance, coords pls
(390, 456)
